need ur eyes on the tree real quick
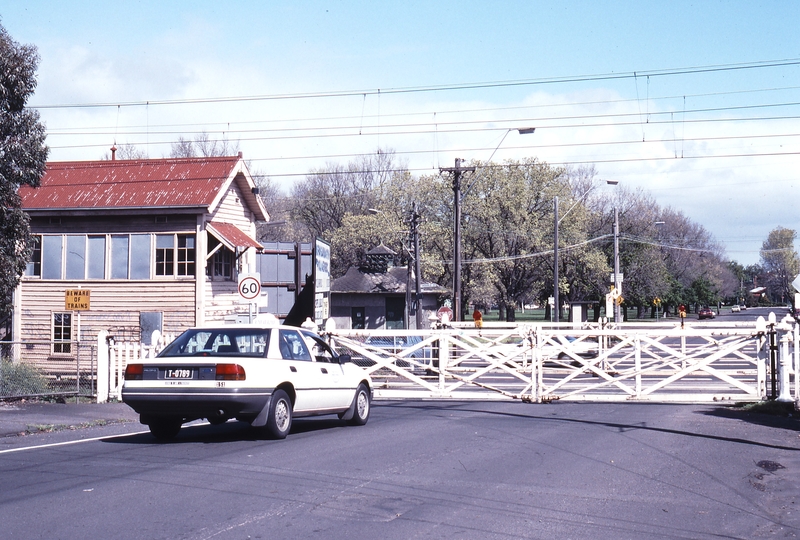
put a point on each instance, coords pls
(642, 262)
(203, 146)
(126, 151)
(780, 262)
(23, 155)
(583, 266)
(507, 230)
(326, 196)
(280, 227)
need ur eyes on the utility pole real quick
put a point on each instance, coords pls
(457, 171)
(407, 309)
(417, 265)
(556, 304)
(616, 266)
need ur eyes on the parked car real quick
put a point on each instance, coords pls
(422, 357)
(262, 375)
(706, 313)
(585, 348)
(743, 307)
(735, 308)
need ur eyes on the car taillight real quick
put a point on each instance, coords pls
(230, 372)
(134, 372)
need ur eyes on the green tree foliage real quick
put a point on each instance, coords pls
(23, 155)
(507, 231)
(507, 210)
(780, 263)
(583, 266)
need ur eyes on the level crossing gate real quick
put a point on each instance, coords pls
(702, 362)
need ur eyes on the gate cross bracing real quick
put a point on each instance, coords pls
(701, 363)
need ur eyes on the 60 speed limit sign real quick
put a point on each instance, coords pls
(250, 287)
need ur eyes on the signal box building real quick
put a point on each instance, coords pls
(130, 246)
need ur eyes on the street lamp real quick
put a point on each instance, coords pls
(457, 171)
(556, 221)
(616, 257)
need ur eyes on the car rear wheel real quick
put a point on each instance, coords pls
(361, 413)
(165, 429)
(279, 421)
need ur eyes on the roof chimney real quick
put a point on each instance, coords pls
(240, 155)
(113, 152)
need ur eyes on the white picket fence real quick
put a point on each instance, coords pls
(112, 358)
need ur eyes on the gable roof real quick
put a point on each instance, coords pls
(393, 280)
(141, 184)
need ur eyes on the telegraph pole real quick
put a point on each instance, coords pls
(457, 171)
(417, 264)
(556, 300)
(617, 282)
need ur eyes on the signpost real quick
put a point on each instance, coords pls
(250, 286)
(444, 314)
(77, 300)
(322, 280)
(250, 289)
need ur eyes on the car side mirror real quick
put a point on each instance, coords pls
(344, 358)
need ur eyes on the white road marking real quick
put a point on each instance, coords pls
(65, 443)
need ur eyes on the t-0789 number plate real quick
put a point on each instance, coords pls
(177, 373)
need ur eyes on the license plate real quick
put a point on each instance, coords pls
(178, 374)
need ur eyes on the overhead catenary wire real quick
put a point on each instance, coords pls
(446, 87)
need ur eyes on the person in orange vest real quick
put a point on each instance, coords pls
(478, 318)
(682, 313)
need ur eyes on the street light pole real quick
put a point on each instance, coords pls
(556, 304)
(417, 264)
(556, 221)
(617, 281)
(616, 265)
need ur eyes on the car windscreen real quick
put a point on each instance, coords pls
(219, 342)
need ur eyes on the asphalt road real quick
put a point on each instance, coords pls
(419, 470)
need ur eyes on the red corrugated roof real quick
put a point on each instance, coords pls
(231, 235)
(135, 183)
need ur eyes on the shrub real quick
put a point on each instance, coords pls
(19, 379)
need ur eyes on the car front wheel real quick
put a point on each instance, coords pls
(361, 413)
(279, 421)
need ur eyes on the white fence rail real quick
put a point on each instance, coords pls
(114, 357)
(703, 362)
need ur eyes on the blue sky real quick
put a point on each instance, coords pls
(721, 145)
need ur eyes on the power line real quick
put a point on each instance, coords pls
(443, 88)
(202, 126)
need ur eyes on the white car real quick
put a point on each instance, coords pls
(257, 374)
(735, 308)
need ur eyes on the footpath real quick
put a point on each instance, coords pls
(27, 417)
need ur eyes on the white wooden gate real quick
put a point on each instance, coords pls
(112, 358)
(700, 363)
